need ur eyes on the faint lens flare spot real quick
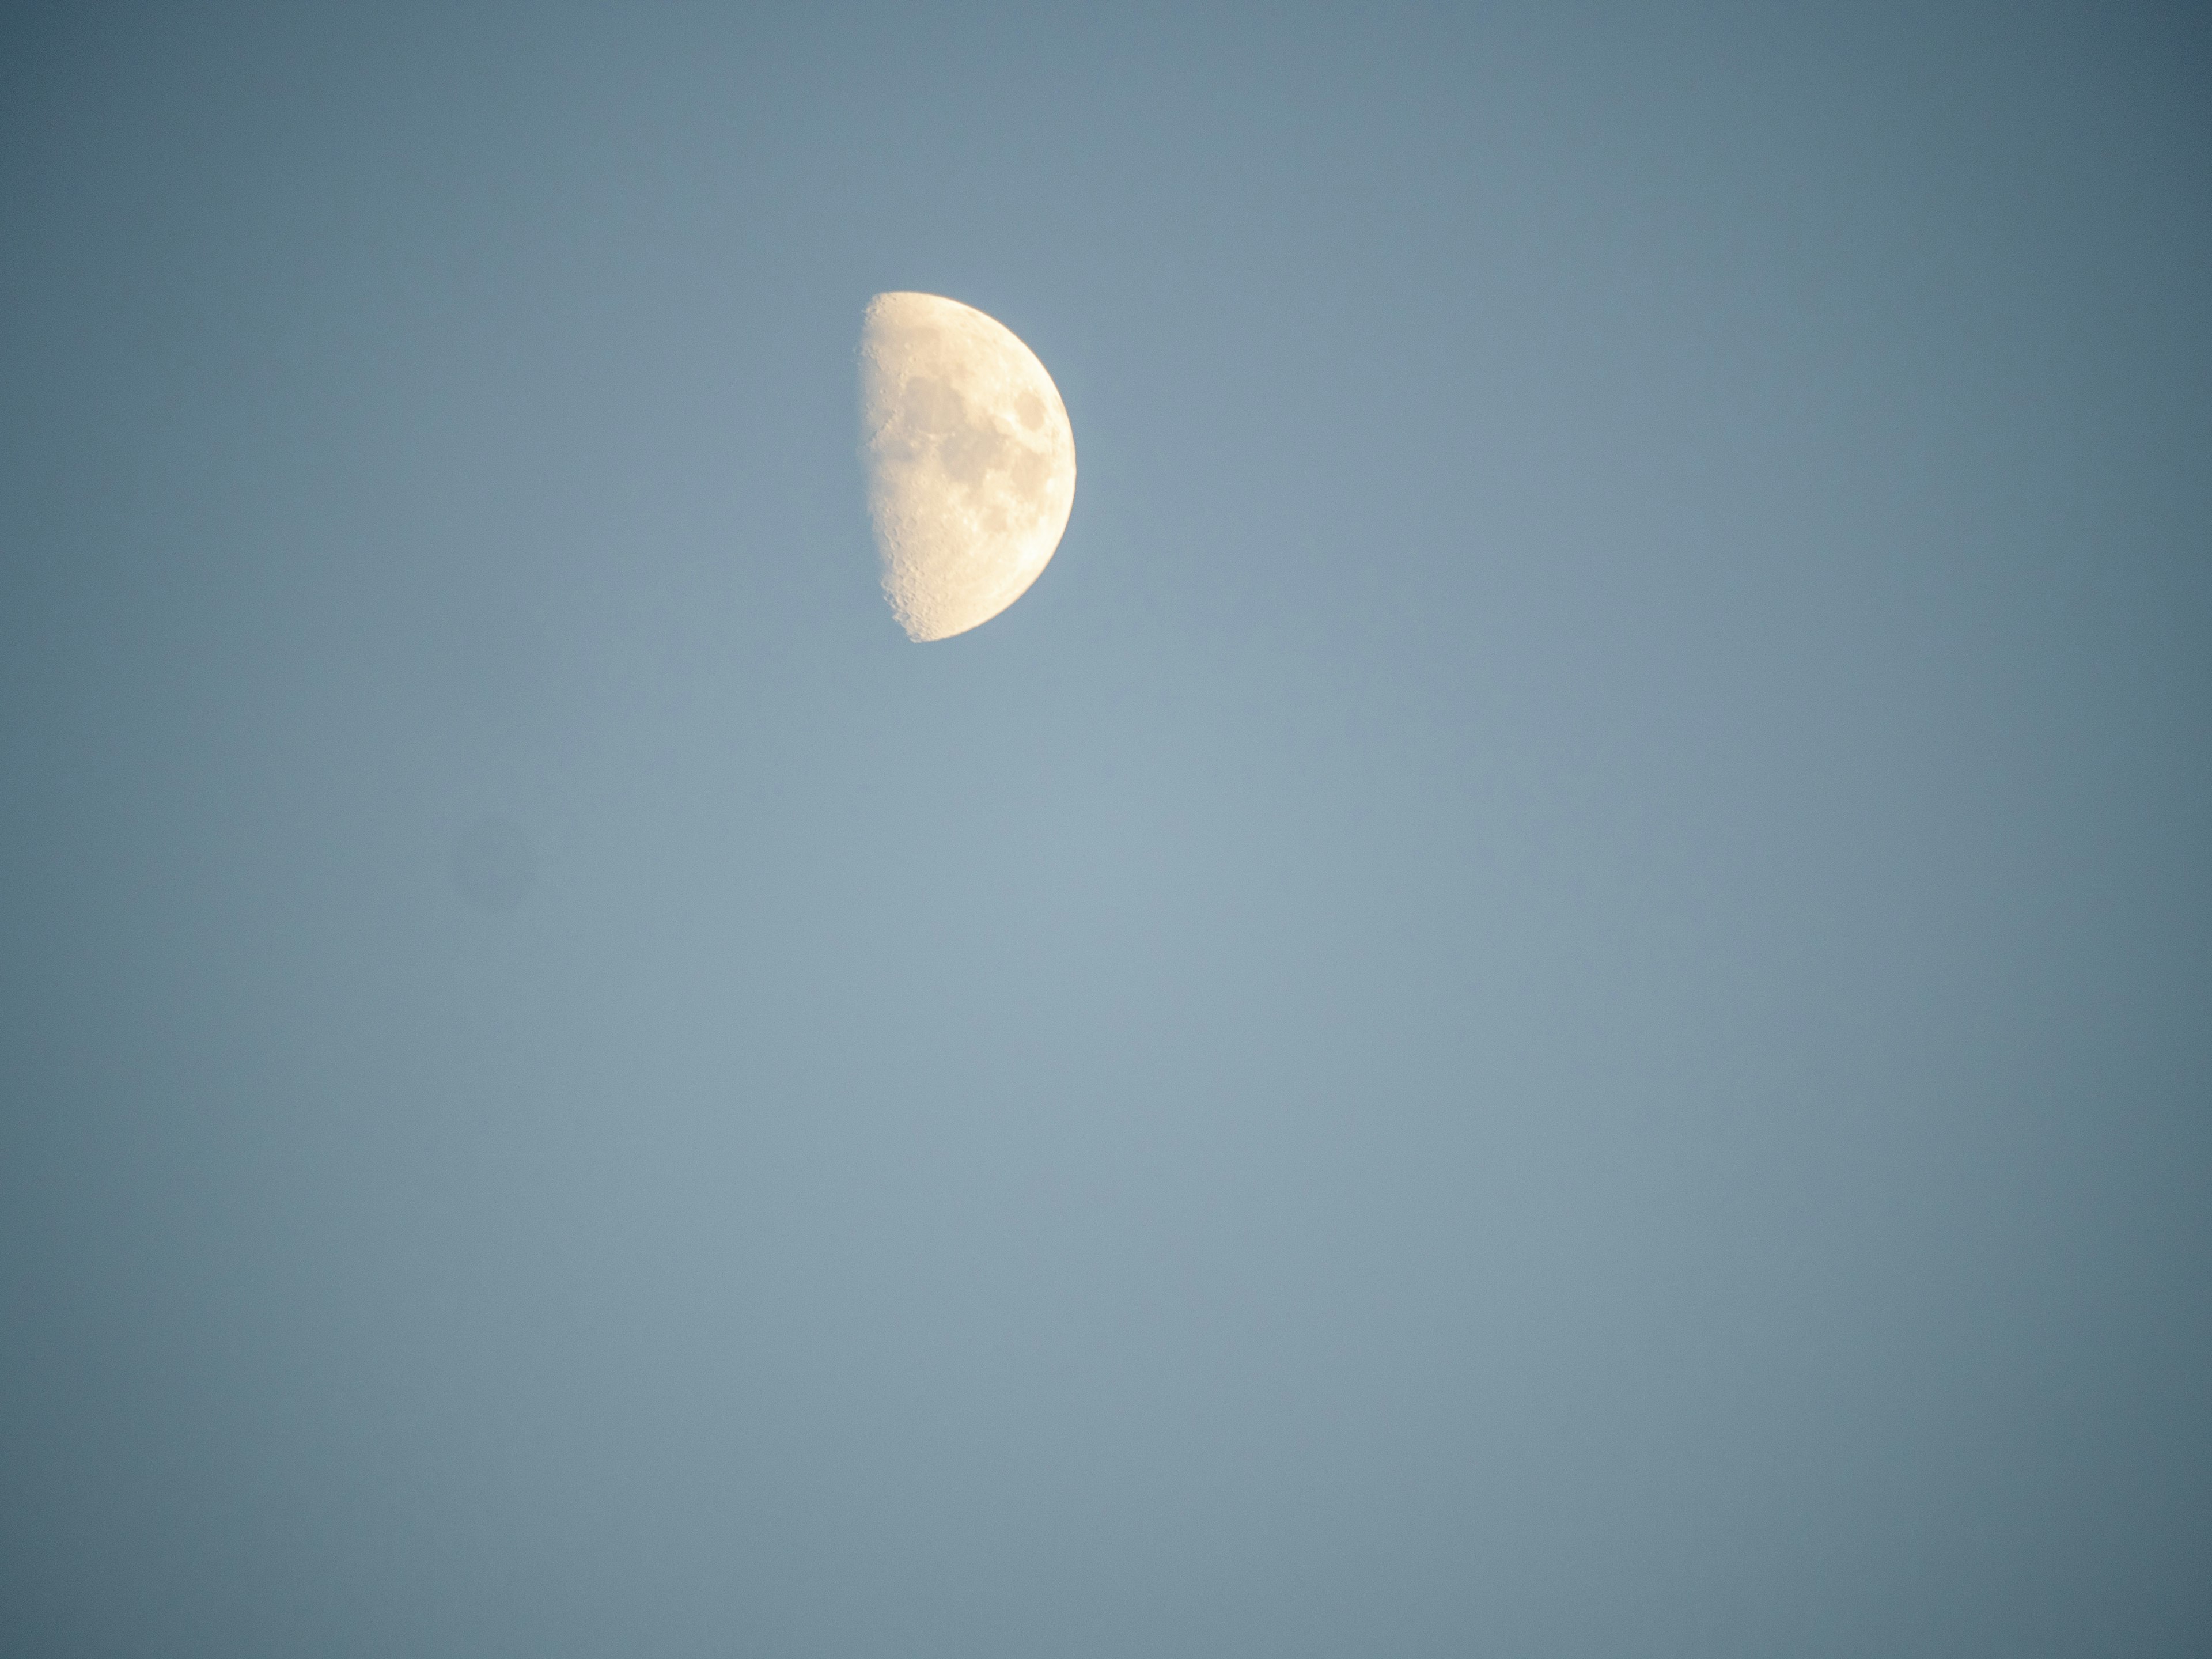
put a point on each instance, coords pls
(494, 865)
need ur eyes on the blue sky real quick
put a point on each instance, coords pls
(1549, 995)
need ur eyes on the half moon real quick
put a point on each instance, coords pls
(970, 459)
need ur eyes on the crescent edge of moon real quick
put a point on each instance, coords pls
(968, 458)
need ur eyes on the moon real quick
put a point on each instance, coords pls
(969, 460)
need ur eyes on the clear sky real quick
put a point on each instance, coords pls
(1552, 995)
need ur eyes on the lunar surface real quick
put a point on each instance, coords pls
(969, 460)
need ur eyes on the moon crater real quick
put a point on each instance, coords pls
(970, 459)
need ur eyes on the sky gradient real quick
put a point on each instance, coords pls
(1551, 995)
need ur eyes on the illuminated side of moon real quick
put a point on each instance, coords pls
(970, 459)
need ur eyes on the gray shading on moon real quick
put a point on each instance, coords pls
(970, 459)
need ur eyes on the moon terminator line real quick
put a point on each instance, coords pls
(969, 461)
